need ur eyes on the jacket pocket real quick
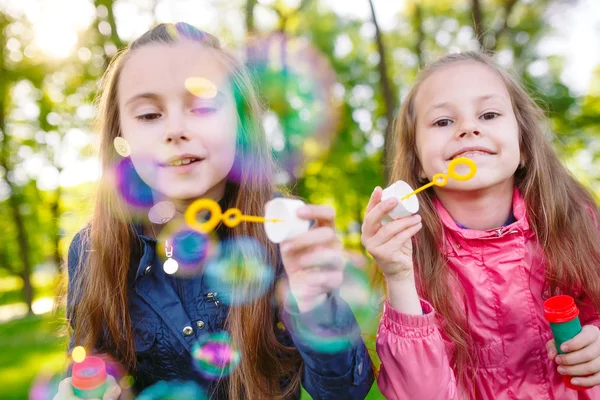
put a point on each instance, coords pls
(492, 355)
(144, 336)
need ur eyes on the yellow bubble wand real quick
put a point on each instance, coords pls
(442, 179)
(231, 218)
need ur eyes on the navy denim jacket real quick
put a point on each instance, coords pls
(169, 314)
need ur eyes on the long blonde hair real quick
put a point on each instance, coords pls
(559, 209)
(111, 239)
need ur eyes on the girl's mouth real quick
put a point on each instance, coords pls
(182, 162)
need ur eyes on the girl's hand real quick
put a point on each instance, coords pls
(582, 358)
(313, 260)
(65, 390)
(389, 244)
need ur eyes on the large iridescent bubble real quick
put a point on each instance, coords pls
(131, 186)
(240, 273)
(297, 82)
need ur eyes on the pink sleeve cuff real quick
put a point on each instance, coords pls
(410, 326)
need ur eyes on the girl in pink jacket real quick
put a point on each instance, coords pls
(467, 278)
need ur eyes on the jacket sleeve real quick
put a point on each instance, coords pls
(336, 362)
(415, 363)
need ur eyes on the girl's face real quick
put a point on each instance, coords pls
(464, 109)
(182, 146)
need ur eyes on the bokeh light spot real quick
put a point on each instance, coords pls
(78, 354)
(201, 87)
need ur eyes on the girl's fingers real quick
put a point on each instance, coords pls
(588, 335)
(375, 199)
(65, 390)
(589, 353)
(551, 349)
(373, 219)
(322, 259)
(587, 381)
(588, 368)
(324, 215)
(392, 229)
(113, 390)
(314, 237)
(393, 245)
(324, 279)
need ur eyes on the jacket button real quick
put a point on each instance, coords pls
(148, 268)
(200, 324)
(188, 331)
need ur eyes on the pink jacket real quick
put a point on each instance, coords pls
(502, 274)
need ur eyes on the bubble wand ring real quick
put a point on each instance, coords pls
(204, 204)
(442, 179)
(462, 161)
(231, 218)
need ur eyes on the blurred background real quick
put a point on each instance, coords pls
(332, 74)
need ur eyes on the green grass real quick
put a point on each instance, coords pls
(29, 346)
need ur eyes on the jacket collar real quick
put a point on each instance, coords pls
(519, 212)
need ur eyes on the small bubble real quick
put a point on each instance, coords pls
(162, 212)
(122, 147)
(126, 382)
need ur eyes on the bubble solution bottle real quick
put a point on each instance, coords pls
(89, 378)
(563, 316)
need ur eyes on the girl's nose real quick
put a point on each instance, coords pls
(468, 128)
(465, 132)
(175, 130)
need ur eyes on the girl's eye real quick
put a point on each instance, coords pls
(148, 117)
(442, 123)
(490, 115)
(203, 110)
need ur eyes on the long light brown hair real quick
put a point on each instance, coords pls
(110, 240)
(561, 212)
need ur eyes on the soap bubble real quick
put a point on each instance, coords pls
(240, 273)
(215, 356)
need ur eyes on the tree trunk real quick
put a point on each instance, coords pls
(478, 22)
(23, 246)
(12, 199)
(418, 25)
(250, 29)
(55, 208)
(110, 18)
(508, 7)
(389, 97)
